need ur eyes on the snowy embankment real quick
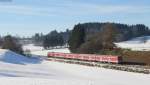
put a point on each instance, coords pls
(16, 69)
(137, 44)
(55, 73)
(12, 57)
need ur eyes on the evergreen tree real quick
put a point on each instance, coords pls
(53, 39)
(77, 38)
(46, 42)
(38, 39)
(1, 41)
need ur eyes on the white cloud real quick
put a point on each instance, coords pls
(24, 10)
(84, 8)
(71, 9)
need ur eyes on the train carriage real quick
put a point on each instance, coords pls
(86, 57)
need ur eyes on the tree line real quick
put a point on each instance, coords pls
(52, 39)
(95, 37)
(84, 38)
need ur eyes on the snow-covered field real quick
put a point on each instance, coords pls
(32, 47)
(139, 44)
(16, 69)
(37, 72)
(37, 50)
(54, 73)
(44, 52)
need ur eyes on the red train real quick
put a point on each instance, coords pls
(86, 57)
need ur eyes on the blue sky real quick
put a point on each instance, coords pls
(25, 17)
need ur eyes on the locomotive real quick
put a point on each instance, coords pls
(86, 57)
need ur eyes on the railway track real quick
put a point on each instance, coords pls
(122, 67)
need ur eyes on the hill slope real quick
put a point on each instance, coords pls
(138, 44)
(12, 57)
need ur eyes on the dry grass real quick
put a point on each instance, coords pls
(136, 56)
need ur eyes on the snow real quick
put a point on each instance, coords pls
(44, 52)
(40, 51)
(32, 47)
(138, 44)
(11, 57)
(16, 69)
(54, 73)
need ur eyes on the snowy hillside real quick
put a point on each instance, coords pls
(19, 70)
(11, 57)
(139, 44)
